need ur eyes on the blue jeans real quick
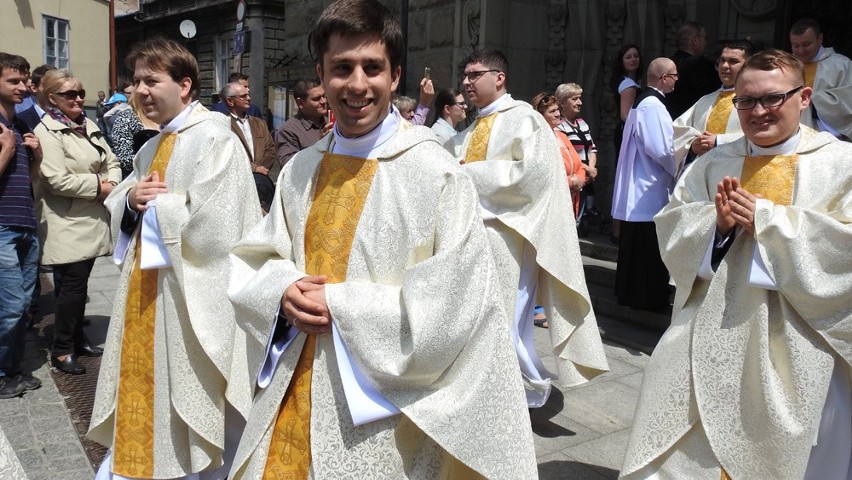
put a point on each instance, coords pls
(19, 254)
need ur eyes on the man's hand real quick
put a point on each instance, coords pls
(326, 128)
(32, 142)
(145, 191)
(427, 92)
(703, 143)
(304, 306)
(7, 138)
(742, 204)
(261, 170)
(724, 221)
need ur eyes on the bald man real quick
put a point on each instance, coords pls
(646, 174)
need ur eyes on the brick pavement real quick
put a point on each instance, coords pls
(580, 434)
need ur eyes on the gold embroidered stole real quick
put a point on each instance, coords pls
(478, 146)
(717, 121)
(772, 177)
(723, 475)
(133, 454)
(810, 73)
(342, 186)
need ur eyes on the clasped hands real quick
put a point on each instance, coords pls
(304, 306)
(734, 206)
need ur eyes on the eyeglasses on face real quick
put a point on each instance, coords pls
(474, 76)
(72, 94)
(768, 101)
(672, 75)
(243, 96)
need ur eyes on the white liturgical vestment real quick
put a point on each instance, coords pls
(693, 123)
(750, 379)
(417, 312)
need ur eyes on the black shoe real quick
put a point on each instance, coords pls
(28, 381)
(69, 365)
(87, 350)
(10, 387)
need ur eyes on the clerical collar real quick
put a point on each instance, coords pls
(178, 121)
(493, 106)
(817, 56)
(786, 148)
(658, 90)
(727, 89)
(367, 145)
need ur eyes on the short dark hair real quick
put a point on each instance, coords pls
(14, 62)
(803, 24)
(300, 89)
(685, 32)
(166, 55)
(444, 97)
(38, 73)
(236, 77)
(358, 17)
(491, 58)
(745, 45)
(772, 59)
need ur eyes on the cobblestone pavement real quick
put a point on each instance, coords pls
(581, 433)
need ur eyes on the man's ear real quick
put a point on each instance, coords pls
(185, 87)
(319, 71)
(807, 93)
(396, 72)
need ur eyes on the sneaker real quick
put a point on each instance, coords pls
(10, 387)
(28, 381)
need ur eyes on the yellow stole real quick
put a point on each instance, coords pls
(133, 449)
(342, 186)
(478, 146)
(773, 177)
(717, 121)
(810, 73)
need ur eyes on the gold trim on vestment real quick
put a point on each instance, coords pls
(478, 146)
(720, 113)
(133, 449)
(342, 186)
(771, 177)
(810, 73)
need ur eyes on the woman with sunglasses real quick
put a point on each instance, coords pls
(78, 172)
(548, 107)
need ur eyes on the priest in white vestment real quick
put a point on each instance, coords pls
(713, 121)
(752, 380)
(389, 356)
(830, 75)
(175, 385)
(513, 157)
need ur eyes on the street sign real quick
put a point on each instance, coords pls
(242, 42)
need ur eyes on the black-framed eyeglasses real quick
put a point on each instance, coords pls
(461, 104)
(673, 75)
(244, 96)
(72, 94)
(772, 100)
(474, 76)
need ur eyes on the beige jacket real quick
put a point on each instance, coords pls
(73, 225)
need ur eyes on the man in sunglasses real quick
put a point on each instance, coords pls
(513, 157)
(643, 182)
(752, 379)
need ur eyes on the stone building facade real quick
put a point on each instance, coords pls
(547, 42)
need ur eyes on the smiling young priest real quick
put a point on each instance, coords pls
(752, 378)
(389, 356)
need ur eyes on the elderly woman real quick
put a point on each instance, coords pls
(568, 95)
(548, 107)
(77, 173)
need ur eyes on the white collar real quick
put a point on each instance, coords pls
(657, 89)
(239, 119)
(178, 122)
(367, 145)
(788, 147)
(493, 106)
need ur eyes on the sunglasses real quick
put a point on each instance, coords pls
(72, 94)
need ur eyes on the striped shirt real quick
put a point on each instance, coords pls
(581, 138)
(16, 196)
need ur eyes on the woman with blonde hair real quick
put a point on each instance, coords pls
(77, 173)
(568, 96)
(548, 107)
